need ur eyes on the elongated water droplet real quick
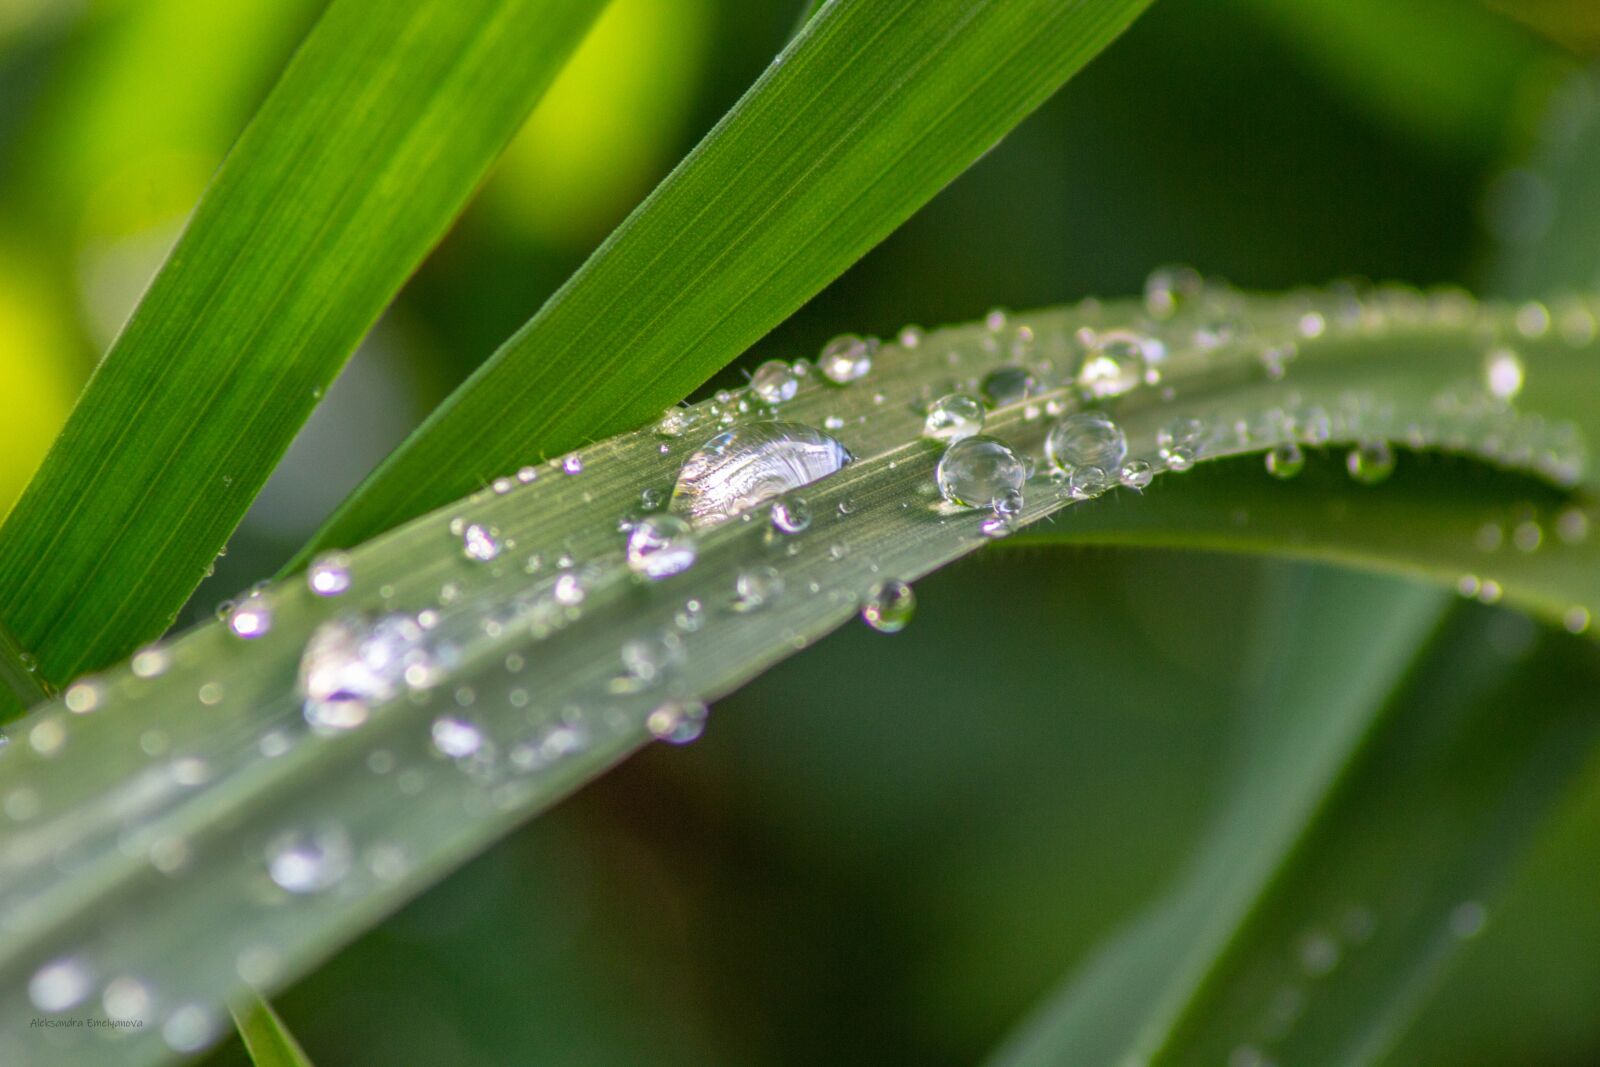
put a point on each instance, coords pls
(847, 358)
(953, 417)
(661, 546)
(1285, 460)
(889, 607)
(1371, 462)
(1086, 439)
(749, 465)
(978, 471)
(774, 382)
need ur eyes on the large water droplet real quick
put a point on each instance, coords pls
(310, 860)
(661, 546)
(350, 664)
(953, 418)
(749, 465)
(847, 358)
(1370, 462)
(978, 471)
(1086, 439)
(774, 382)
(889, 607)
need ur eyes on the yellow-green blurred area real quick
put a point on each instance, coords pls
(887, 849)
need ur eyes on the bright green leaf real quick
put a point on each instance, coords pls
(266, 1038)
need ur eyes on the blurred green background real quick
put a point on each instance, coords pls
(885, 850)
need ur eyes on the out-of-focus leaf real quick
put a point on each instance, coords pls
(378, 131)
(872, 109)
(266, 1038)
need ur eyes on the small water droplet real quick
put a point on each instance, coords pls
(251, 617)
(82, 696)
(350, 664)
(309, 860)
(455, 737)
(1285, 460)
(573, 464)
(151, 661)
(1576, 620)
(60, 984)
(790, 515)
(1502, 370)
(1371, 462)
(1468, 919)
(1086, 439)
(678, 722)
(190, 1028)
(1006, 385)
(774, 382)
(1178, 443)
(569, 590)
(847, 358)
(953, 418)
(329, 574)
(756, 587)
(661, 546)
(889, 607)
(749, 465)
(977, 471)
(1087, 481)
(480, 543)
(1115, 362)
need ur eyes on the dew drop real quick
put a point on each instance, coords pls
(678, 722)
(661, 546)
(675, 422)
(573, 464)
(953, 418)
(978, 471)
(151, 661)
(190, 1028)
(1006, 385)
(790, 515)
(329, 574)
(774, 382)
(847, 358)
(1086, 439)
(1087, 481)
(456, 737)
(749, 465)
(60, 984)
(1371, 462)
(1285, 460)
(1178, 443)
(1136, 474)
(350, 664)
(479, 543)
(251, 617)
(889, 607)
(127, 999)
(1502, 370)
(309, 861)
(1115, 362)
(756, 587)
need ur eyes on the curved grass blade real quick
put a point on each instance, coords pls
(369, 145)
(207, 824)
(872, 109)
(266, 1039)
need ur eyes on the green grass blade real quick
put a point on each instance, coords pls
(266, 1039)
(357, 162)
(869, 112)
(166, 793)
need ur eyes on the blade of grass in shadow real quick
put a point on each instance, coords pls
(360, 157)
(266, 1039)
(216, 794)
(870, 111)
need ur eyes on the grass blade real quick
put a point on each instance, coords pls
(266, 1039)
(869, 112)
(369, 145)
(205, 831)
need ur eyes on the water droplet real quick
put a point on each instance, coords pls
(151, 661)
(1006, 385)
(1086, 439)
(675, 422)
(1502, 370)
(1136, 474)
(82, 696)
(1178, 443)
(977, 471)
(847, 358)
(953, 417)
(60, 984)
(1115, 362)
(661, 546)
(190, 1028)
(127, 999)
(1087, 481)
(889, 607)
(1527, 536)
(573, 464)
(1169, 289)
(1576, 620)
(350, 664)
(678, 722)
(329, 574)
(790, 515)
(1572, 526)
(569, 590)
(756, 587)
(774, 382)
(251, 617)
(749, 465)
(1371, 462)
(911, 336)
(479, 543)
(1285, 460)
(309, 860)
(456, 737)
